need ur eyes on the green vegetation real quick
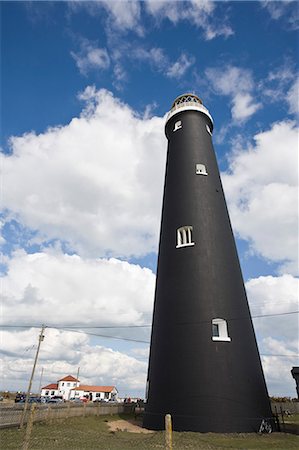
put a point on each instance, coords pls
(91, 433)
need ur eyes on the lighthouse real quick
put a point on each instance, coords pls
(204, 364)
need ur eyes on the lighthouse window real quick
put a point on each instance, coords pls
(209, 130)
(219, 330)
(200, 169)
(177, 125)
(184, 236)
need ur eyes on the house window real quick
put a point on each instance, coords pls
(200, 169)
(177, 125)
(68, 384)
(184, 236)
(62, 384)
(47, 393)
(209, 130)
(98, 394)
(219, 330)
(52, 392)
(106, 395)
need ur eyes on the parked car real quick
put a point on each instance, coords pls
(56, 399)
(75, 400)
(31, 400)
(100, 400)
(19, 397)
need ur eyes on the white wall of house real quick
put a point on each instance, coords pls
(49, 392)
(65, 388)
(79, 393)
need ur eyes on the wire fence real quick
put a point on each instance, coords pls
(11, 415)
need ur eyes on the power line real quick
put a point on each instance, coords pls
(139, 326)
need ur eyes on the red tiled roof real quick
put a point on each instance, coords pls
(68, 378)
(85, 387)
(51, 386)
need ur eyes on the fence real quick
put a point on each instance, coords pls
(10, 416)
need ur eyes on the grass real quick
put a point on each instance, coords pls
(92, 433)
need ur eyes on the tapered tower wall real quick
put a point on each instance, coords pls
(207, 383)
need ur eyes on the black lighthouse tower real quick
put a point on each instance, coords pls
(204, 366)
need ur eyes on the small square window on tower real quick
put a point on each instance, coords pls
(200, 169)
(184, 236)
(177, 125)
(219, 330)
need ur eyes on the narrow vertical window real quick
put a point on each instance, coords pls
(184, 236)
(209, 130)
(219, 330)
(177, 125)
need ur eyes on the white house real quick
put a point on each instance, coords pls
(61, 388)
(69, 387)
(105, 393)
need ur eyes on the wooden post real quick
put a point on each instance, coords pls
(68, 410)
(84, 409)
(29, 428)
(98, 408)
(48, 413)
(168, 432)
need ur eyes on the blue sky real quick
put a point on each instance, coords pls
(85, 89)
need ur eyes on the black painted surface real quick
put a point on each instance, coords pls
(205, 385)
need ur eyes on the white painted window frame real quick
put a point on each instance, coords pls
(177, 126)
(200, 169)
(223, 331)
(209, 130)
(184, 236)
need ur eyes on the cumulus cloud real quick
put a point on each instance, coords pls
(261, 187)
(90, 183)
(90, 57)
(200, 13)
(238, 84)
(278, 335)
(56, 288)
(61, 353)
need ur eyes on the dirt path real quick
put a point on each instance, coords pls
(131, 426)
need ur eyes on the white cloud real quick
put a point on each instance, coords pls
(66, 290)
(90, 57)
(283, 10)
(159, 61)
(123, 15)
(61, 353)
(278, 335)
(200, 13)
(90, 183)
(179, 68)
(244, 106)
(293, 97)
(261, 187)
(238, 84)
(60, 289)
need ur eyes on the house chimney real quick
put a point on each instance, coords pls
(204, 366)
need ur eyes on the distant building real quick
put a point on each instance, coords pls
(105, 393)
(69, 387)
(62, 387)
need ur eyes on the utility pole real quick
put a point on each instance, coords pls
(40, 339)
(40, 380)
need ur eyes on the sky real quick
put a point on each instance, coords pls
(85, 89)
